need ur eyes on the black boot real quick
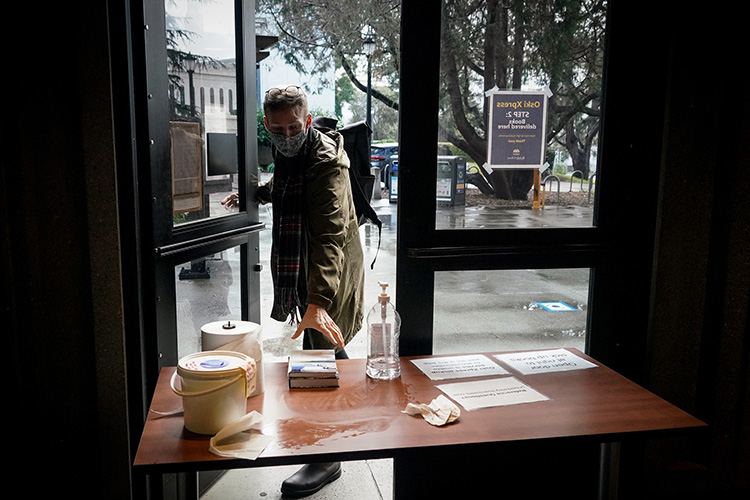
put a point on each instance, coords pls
(310, 478)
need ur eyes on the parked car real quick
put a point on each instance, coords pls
(382, 156)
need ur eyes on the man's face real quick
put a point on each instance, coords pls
(287, 121)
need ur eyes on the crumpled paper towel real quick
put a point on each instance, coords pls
(440, 411)
(233, 441)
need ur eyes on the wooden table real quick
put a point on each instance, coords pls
(363, 419)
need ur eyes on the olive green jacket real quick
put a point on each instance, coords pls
(332, 256)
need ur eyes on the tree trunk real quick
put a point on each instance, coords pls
(499, 55)
(512, 184)
(580, 151)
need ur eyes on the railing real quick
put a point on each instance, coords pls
(554, 178)
(591, 186)
(572, 178)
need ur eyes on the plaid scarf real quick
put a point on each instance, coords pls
(287, 197)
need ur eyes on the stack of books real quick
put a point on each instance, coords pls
(313, 368)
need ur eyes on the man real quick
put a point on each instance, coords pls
(316, 255)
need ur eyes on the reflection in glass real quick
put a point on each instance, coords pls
(202, 74)
(207, 290)
(479, 311)
(554, 47)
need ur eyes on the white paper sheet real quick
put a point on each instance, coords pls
(447, 367)
(553, 360)
(242, 438)
(491, 392)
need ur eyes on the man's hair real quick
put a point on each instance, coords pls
(285, 96)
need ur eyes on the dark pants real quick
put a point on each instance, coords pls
(306, 345)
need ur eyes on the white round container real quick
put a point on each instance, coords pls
(237, 336)
(219, 333)
(215, 386)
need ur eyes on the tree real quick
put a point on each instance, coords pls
(574, 71)
(331, 33)
(556, 42)
(504, 44)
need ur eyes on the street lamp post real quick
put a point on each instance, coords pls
(190, 63)
(369, 48)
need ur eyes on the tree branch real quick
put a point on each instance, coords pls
(363, 87)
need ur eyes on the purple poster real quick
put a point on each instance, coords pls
(517, 129)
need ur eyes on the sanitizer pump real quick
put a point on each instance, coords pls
(383, 329)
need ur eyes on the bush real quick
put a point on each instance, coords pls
(264, 138)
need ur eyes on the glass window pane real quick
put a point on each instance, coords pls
(552, 48)
(207, 289)
(203, 132)
(478, 311)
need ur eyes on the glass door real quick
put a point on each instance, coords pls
(202, 260)
(526, 251)
(518, 122)
(203, 147)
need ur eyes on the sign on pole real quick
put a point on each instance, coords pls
(517, 131)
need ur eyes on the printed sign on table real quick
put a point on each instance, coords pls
(473, 365)
(491, 392)
(554, 360)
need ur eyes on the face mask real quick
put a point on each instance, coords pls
(289, 146)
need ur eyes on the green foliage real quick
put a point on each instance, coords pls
(264, 139)
(315, 35)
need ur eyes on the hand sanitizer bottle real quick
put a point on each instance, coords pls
(383, 329)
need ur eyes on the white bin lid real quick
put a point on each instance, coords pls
(213, 362)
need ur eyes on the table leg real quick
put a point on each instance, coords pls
(609, 470)
(187, 486)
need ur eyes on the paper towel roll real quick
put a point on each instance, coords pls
(237, 336)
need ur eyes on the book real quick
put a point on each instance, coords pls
(310, 383)
(312, 363)
(313, 368)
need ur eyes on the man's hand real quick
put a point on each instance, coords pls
(231, 201)
(317, 318)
